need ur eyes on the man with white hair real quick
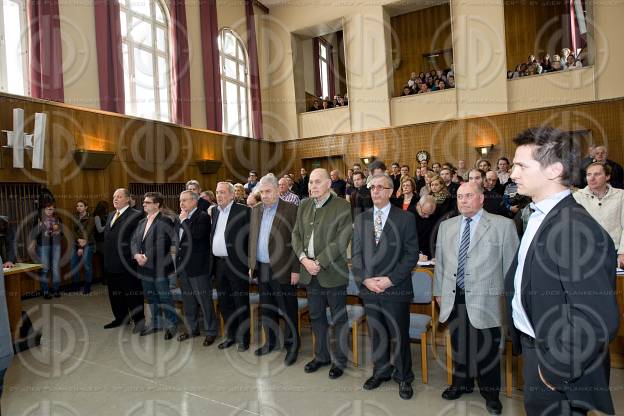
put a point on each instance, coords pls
(617, 173)
(284, 192)
(273, 261)
(194, 186)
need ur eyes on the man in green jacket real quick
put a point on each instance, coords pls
(320, 238)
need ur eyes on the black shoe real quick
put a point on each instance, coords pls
(47, 296)
(335, 372)
(169, 333)
(314, 365)
(185, 336)
(291, 357)
(454, 392)
(113, 324)
(209, 340)
(405, 390)
(226, 344)
(374, 382)
(57, 294)
(242, 347)
(264, 350)
(86, 290)
(494, 407)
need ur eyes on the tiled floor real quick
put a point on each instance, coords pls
(82, 369)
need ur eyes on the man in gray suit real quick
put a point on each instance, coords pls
(473, 253)
(6, 344)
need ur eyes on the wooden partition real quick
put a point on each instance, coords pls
(417, 33)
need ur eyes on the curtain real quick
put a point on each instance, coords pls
(254, 73)
(211, 63)
(180, 64)
(318, 89)
(109, 56)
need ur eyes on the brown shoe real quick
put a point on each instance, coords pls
(209, 340)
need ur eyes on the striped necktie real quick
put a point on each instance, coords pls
(463, 251)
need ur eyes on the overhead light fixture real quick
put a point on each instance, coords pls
(368, 159)
(484, 150)
(208, 166)
(93, 159)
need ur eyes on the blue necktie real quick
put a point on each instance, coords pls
(463, 251)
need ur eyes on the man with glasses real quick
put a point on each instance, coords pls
(382, 267)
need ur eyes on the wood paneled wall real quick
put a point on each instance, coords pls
(535, 28)
(415, 34)
(146, 151)
(455, 140)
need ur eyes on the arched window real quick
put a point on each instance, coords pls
(145, 47)
(13, 47)
(234, 84)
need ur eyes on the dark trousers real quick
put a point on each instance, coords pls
(476, 352)
(233, 301)
(278, 299)
(126, 297)
(539, 399)
(2, 373)
(388, 323)
(319, 298)
(196, 295)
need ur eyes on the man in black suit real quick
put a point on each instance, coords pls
(230, 235)
(273, 261)
(302, 184)
(561, 285)
(384, 251)
(124, 288)
(7, 243)
(151, 249)
(338, 185)
(395, 175)
(193, 268)
(360, 198)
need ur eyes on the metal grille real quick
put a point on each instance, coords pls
(18, 201)
(170, 191)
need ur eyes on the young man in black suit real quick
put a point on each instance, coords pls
(124, 288)
(230, 236)
(193, 268)
(151, 249)
(384, 251)
(561, 285)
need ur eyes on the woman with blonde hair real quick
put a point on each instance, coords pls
(425, 189)
(438, 190)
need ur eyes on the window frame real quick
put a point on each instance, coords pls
(130, 86)
(324, 63)
(23, 24)
(243, 113)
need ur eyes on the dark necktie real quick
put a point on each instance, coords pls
(463, 251)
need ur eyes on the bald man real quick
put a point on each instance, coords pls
(320, 238)
(338, 185)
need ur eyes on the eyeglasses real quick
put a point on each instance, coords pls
(378, 188)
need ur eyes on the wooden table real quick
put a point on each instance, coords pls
(23, 335)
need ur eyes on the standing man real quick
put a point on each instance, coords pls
(395, 175)
(473, 252)
(7, 243)
(617, 173)
(320, 239)
(285, 194)
(230, 266)
(561, 286)
(361, 196)
(302, 184)
(384, 251)
(273, 261)
(124, 288)
(193, 268)
(194, 186)
(151, 249)
(503, 170)
(338, 185)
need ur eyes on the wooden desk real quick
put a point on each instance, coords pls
(12, 279)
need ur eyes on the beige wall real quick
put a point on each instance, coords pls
(422, 108)
(325, 123)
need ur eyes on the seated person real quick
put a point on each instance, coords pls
(424, 88)
(556, 64)
(316, 105)
(326, 104)
(407, 91)
(412, 81)
(572, 63)
(450, 81)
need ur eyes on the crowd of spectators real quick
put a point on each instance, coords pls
(327, 103)
(434, 80)
(564, 61)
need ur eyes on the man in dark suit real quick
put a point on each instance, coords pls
(360, 198)
(302, 184)
(124, 288)
(384, 251)
(395, 175)
(7, 243)
(561, 285)
(151, 249)
(273, 261)
(338, 185)
(193, 268)
(230, 234)
(194, 186)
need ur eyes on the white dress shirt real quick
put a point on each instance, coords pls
(541, 210)
(121, 211)
(219, 248)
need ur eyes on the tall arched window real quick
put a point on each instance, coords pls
(145, 47)
(13, 47)
(234, 84)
